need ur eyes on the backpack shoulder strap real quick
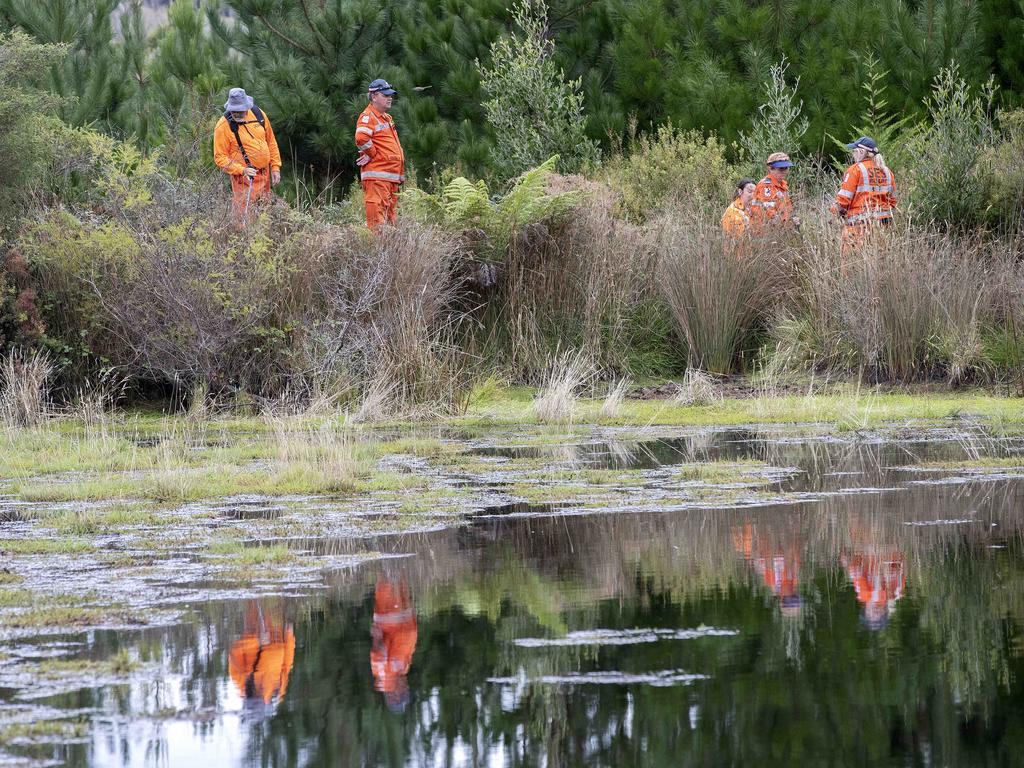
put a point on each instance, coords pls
(234, 129)
(258, 114)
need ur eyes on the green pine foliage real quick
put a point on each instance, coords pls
(90, 78)
(188, 85)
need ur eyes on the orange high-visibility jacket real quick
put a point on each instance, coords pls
(771, 201)
(735, 220)
(259, 142)
(377, 138)
(867, 194)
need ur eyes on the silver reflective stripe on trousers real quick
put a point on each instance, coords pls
(382, 176)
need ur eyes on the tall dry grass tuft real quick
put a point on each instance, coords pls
(567, 374)
(388, 321)
(327, 451)
(698, 388)
(584, 280)
(717, 292)
(912, 303)
(611, 407)
(23, 388)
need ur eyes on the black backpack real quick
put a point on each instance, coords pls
(234, 129)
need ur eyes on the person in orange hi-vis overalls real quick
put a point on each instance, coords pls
(736, 219)
(381, 160)
(772, 203)
(244, 147)
(260, 661)
(867, 196)
(394, 641)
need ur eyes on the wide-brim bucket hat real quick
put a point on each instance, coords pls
(238, 101)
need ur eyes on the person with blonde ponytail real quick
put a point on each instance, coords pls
(867, 196)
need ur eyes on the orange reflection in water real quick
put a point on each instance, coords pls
(775, 556)
(394, 635)
(875, 566)
(261, 660)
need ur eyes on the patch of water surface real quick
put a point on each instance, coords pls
(881, 628)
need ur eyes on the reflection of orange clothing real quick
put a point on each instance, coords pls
(261, 660)
(778, 567)
(878, 580)
(394, 635)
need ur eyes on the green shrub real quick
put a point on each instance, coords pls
(1000, 170)
(779, 124)
(945, 187)
(670, 167)
(462, 205)
(531, 108)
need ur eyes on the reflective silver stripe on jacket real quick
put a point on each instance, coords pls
(364, 129)
(381, 126)
(383, 176)
(364, 147)
(846, 194)
(869, 216)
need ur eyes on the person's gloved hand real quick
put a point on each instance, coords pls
(275, 177)
(250, 172)
(362, 160)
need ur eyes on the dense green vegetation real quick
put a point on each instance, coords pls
(571, 165)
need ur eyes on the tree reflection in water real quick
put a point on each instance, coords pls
(907, 648)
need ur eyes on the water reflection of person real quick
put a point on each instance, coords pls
(261, 659)
(876, 570)
(394, 641)
(776, 559)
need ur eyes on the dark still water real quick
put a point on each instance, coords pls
(881, 628)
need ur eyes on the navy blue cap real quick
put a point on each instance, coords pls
(864, 142)
(380, 85)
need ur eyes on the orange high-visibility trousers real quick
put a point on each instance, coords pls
(381, 200)
(240, 188)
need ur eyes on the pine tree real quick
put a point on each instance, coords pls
(188, 83)
(90, 76)
(444, 123)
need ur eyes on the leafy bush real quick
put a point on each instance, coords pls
(463, 205)
(28, 132)
(671, 167)
(531, 108)
(1000, 171)
(945, 187)
(779, 125)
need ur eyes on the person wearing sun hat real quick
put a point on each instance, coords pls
(867, 196)
(772, 203)
(381, 159)
(245, 148)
